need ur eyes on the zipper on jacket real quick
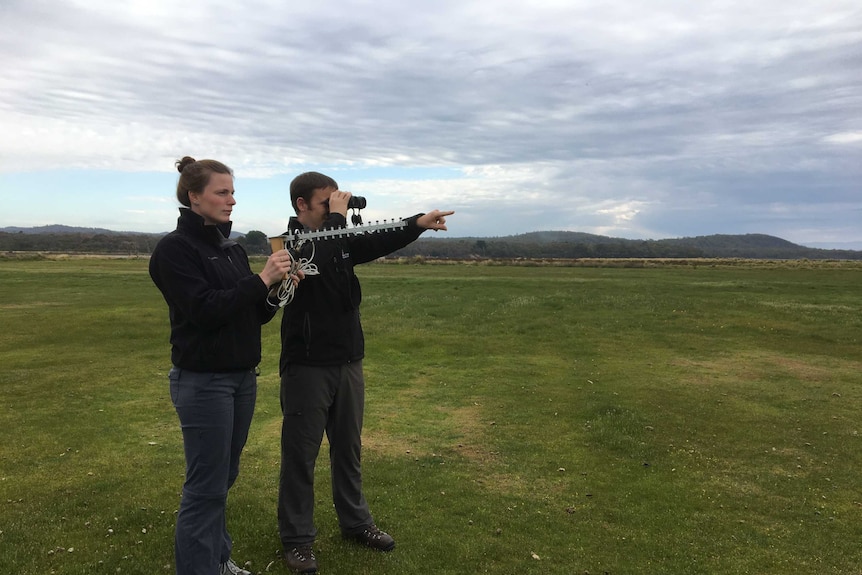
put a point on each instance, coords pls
(306, 328)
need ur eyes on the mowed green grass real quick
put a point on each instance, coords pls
(540, 420)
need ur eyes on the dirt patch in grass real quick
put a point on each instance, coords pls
(30, 305)
(745, 367)
(388, 444)
(467, 424)
(473, 427)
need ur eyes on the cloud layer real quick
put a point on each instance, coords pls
(656, 119)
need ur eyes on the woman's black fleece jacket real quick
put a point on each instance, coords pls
(216, 304)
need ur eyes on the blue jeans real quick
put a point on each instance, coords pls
(215, 411)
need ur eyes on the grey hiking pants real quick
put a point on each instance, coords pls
(315, 400)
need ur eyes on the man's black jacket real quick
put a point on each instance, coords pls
(321, 325)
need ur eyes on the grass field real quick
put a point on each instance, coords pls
(665, 419)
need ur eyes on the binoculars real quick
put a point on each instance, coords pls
(357, 202)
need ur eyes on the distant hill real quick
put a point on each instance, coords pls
(546, 244)
(61, 229)
(564, 244)
(835, 245)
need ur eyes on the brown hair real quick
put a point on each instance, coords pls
(303, 186)
(195, 175)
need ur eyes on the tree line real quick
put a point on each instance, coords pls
(539, 245)
(131, 244)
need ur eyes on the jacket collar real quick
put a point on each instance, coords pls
(294, 225)
(333, 221)
(191, 223)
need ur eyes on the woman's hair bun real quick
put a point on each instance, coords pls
(180, 164)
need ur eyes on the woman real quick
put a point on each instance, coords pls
(216, 306)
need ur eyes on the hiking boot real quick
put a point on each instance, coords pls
(374, 538)
(231, 568)
(301, 559)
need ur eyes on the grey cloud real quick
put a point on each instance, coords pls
(672, 108)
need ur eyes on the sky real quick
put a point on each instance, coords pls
(639, 119)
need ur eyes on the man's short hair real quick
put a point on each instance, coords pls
(303, 186)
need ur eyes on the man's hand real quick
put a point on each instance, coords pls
(338, 202)
(435, 220)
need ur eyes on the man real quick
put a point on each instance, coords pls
(322, 384)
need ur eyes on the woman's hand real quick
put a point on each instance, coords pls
(278, 267)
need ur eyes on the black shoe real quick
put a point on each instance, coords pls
(374, 538)
(301, 559)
